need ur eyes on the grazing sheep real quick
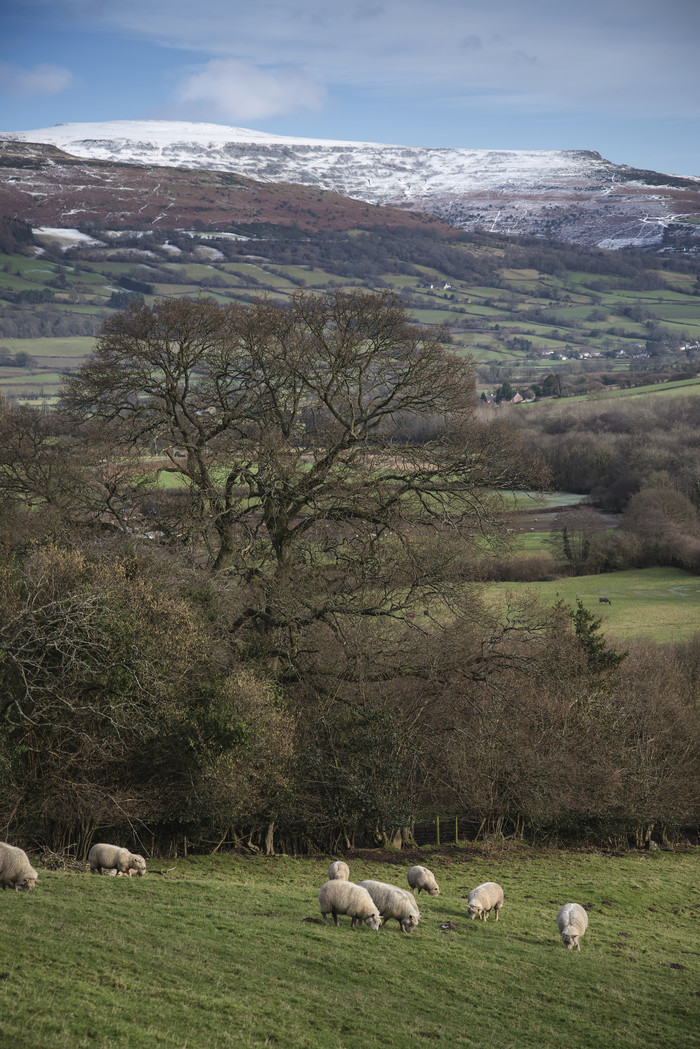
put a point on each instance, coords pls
(16, 872)
(338, 896)
(109, 858)
(339, 871)
(393, 902)
(483, 899)
(572, 922)
(420, 878)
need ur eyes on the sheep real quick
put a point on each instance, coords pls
(16, 872)
(102, 857)
(394, 902)
(420, 878)
(572, 922)
(338, 896)
(483, 899)
(339, 871)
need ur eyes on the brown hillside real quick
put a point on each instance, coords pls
(47, 187)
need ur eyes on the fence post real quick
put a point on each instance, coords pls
(456, 830)
(437, 828)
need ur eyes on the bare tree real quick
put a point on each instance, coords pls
(577, 537)
(54, 479)
(286, 427)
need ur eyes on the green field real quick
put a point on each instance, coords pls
(558, 316)
(680, 388)
(215, 951)
(657, 604)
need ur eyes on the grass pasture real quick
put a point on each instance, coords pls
(657, 604)
(555, 316)
(216, 953)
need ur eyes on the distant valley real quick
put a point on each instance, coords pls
(149, 211)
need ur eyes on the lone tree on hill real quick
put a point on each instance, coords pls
(291, 430)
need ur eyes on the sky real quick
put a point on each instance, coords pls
(621, 77)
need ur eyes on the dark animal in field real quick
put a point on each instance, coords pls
(605, 601)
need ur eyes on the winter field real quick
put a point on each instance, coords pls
(223, 951)
(651, 604)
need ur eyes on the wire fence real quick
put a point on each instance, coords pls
(446, 830)
(451, 830)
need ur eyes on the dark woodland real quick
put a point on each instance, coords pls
(240, 605)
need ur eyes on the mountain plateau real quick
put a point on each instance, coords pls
(571, 195)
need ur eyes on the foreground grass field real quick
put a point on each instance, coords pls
(659, 604)
(215, 951)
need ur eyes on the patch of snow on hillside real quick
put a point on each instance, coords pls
(66, 238)
(614, 243)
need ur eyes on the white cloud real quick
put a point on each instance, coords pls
(39, 80)
(241, 91)
(616, 56)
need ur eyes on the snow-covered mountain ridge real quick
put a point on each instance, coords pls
(372, 171)
(571, 194)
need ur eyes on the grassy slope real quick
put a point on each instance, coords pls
(659, 604)
(216, 953)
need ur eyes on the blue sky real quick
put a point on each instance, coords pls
(618, 76)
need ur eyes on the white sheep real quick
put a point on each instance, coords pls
(393, 902)
(16, 872)
(339, 871)
(483, 899)
(420, 878)
(572, 922)
(338, 896)
(102, 857)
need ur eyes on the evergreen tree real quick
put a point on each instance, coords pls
(599, 655)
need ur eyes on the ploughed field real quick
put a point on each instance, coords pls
(229, 951)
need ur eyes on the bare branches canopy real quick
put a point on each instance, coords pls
(292, 429)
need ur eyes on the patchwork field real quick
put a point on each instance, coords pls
(526, 323)
(228, 951)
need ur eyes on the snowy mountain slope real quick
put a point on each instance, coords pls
(571, 194)
(45, 186)
(370, 170)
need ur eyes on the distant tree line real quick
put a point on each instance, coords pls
(46, 322)
(612, 449)
(22, 359)
(15, 235)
